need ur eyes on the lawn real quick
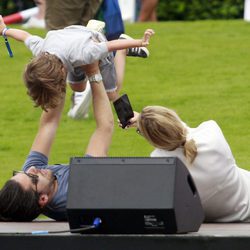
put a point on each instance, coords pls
(200, 69)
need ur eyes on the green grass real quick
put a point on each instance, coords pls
(200, 69)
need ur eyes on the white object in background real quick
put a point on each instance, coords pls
(34, 22)
(20, 16)
(128, 10)
(82, 101)
(247, 10)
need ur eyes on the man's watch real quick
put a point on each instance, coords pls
(95, 78)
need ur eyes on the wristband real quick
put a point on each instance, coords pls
(7, 42)
(4, 31)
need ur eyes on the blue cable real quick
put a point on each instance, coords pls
(39, 232)
(96, 223)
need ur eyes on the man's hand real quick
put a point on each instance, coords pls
(146, 37)
(2, 25)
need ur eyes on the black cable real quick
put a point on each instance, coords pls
(96, 224)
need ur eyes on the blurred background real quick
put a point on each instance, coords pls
(166, 9)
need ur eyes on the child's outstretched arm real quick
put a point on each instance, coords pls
(19, 35)
(125, 44)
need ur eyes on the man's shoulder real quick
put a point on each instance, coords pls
(59, 169)
(36, 159)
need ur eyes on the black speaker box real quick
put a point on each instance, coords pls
(133, 195)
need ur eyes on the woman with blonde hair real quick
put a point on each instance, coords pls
(222, 185)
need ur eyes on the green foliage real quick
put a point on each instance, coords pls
(167, 10)
(200, 69)
(200, 9)
(8, 7)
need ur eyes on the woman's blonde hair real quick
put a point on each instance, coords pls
(163, 128)
(45, 79)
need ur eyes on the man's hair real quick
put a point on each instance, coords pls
(45, 79)
(17, 204)
(163, 128)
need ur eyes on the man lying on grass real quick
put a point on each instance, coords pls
(42, 188)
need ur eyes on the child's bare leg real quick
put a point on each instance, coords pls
(113, 95)
(120, 63)
(78, 87)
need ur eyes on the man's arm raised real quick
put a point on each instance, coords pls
(49, 122)
(101, 138)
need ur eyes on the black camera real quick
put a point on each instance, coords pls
(123, 110)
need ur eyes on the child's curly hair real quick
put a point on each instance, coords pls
(45, 79)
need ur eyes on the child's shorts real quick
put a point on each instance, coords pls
(107, 69)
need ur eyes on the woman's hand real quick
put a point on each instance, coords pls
(132, 121)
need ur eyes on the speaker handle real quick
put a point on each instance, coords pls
(191, 184)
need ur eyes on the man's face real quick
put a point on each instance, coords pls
(44, 183)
